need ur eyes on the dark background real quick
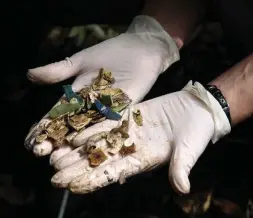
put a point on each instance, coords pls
(226, 167)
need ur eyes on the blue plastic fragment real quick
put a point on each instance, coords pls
(70, 94)
(106, 111)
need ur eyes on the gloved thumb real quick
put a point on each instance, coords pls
(184, 157)
(56, 72)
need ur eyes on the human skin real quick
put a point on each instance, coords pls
(236, 84)
(180, 18)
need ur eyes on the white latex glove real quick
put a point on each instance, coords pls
(176, 126)
(136, 58)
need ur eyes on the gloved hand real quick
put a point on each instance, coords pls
(136, 58)
(176, 127)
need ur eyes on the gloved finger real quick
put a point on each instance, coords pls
(76, 162)
(185, 154)
(62, 178)
(59, 153)
(75, 156)
(59, 71)
(80, 140)
(46, 146)
(118, 170)
(39, 149)
(66, 175)
(104, 126)
(30, 140)
(70, 158)
(43, 149)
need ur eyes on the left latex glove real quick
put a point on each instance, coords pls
(136, 58)
(176, 127)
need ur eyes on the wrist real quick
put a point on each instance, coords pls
(226, 96)
(217, 94)
(236, 86)
(221, 123)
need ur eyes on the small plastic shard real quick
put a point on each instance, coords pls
(116, 137)
(59, 133)
(127, 150)
(123, 129)
(55, 124)
(137, 117)
(70, 94)
(104, 80)
(95, 116)
(40, 138)
(106, 100)
(91, 113)
(84, 93)
(92, 97)
(107, 75)
(106, 111)
(91, 143)
(57, 129)
(73, 101)
(79, 121)
(62, 109)
(88, 103)
(111, 91)
(98, 120)
(119, 108)
(71, 136)
(96, 157)
(108, 96)
(120, 100)
(116, 142)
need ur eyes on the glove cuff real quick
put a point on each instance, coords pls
(221, 123)
(148, 28)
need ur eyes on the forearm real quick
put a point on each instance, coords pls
(178, 17)
(236, 84)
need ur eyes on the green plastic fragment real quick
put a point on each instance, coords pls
(70, 94)
(63, 109)
(73, 101)
(119, 108)
(106, 99)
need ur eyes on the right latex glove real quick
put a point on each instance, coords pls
(176, 127)
(136, 58)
